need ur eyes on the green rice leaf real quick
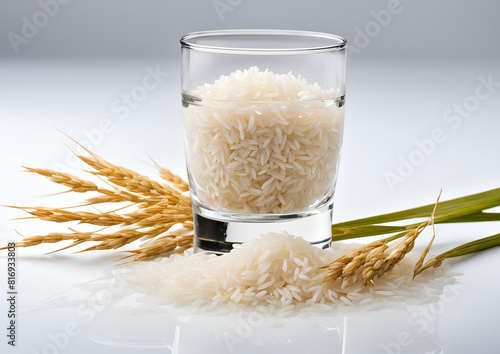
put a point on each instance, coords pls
(475, 217)
(462, 250)
(447, 210)
(465, 209)
(472, 247)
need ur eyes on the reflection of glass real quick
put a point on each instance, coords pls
(251, 332)
(263, 121)
(113, 313)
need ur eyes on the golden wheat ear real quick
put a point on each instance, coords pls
(157, 208)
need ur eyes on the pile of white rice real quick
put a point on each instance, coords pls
(259, 142)
(279, 272)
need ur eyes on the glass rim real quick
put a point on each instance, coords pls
(337, 43)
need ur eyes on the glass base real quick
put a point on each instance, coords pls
(216, 232)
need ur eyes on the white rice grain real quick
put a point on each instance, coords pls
(225, 120)
(279, 272)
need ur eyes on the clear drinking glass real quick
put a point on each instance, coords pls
(263, 114)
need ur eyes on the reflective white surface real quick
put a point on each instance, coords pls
(390, 106)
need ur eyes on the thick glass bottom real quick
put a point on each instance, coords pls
(217, 232)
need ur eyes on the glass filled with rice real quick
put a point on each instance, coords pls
(263, 114)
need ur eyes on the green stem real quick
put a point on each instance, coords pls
(465, 209)
(472, 247)
(462, 250)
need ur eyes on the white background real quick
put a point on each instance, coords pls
(429, 58)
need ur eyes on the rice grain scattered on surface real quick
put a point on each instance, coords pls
(281, 272)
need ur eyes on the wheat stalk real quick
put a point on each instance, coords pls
(61, 215)
(79, 185)
(375, 259)
(178, 241)
(159, 208)
(371, 261)
(176, 181)
(124, 177)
